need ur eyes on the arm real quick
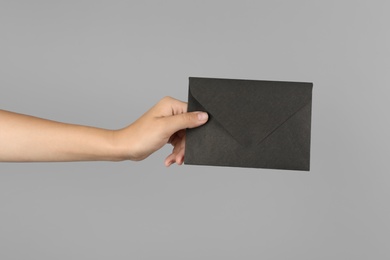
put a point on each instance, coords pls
(28, 139)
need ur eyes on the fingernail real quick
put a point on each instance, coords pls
(202, 116)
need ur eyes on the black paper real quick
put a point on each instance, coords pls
(252, 123)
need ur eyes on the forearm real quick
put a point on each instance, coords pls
(26, 138)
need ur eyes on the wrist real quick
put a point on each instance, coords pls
(121, 144)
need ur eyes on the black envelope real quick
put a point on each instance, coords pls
(252, 123)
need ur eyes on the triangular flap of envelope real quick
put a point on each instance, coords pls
(259, 107)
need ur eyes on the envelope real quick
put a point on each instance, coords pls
(252, 123)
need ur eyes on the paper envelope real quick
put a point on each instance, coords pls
(252, 123)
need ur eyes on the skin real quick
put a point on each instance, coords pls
(26, 138)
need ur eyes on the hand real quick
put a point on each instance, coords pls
(163, 123)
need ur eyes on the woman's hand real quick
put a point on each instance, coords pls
(163, 123)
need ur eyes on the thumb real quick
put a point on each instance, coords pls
(186, 120)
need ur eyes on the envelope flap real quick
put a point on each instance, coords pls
(258, 106)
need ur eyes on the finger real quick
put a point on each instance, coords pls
(175, 157)
(170, 106)
(180, 152)
(174, 140)
(183, 121)
(170, 159)
(176, 137)
(180, 156)
(178, 107)
(177, 154)
(181, 133)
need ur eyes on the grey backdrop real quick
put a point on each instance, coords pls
(104, 63)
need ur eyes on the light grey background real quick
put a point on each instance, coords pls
(104, 63)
